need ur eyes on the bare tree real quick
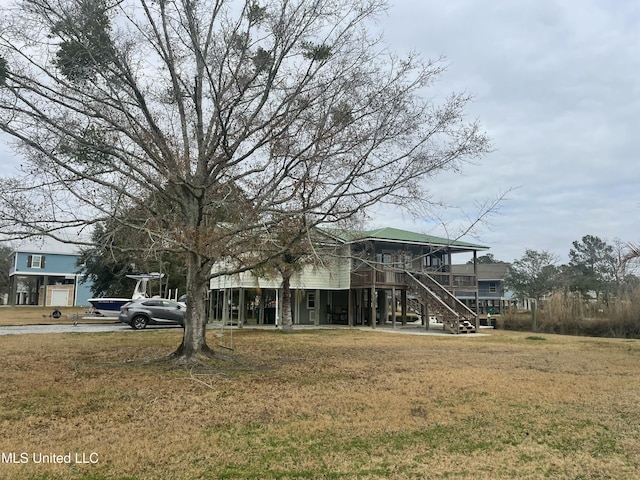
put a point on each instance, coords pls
(632, 254)
(5, 266)
(312, 248)
(217, 119)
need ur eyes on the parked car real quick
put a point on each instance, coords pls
(152, 311)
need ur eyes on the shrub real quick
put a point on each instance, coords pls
(514, 320)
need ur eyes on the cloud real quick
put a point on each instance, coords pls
(556, 85)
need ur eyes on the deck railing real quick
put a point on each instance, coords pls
(382, 275)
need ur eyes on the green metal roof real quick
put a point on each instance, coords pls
(404, 236)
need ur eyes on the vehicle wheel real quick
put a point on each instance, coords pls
(139, 322)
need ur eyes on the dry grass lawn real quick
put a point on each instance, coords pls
(339, 404)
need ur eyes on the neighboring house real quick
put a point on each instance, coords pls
(47, 276)
(493, 297)
(370, 278)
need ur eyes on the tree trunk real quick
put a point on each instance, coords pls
(194, 341)
(287, 318)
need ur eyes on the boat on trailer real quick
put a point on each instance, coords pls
(110, 306)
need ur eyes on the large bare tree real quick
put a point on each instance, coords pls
(217, 119)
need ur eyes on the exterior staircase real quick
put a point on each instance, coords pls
(456, 316)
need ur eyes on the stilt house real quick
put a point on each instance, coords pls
(378, 277)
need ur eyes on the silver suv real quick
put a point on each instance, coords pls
(152, 311)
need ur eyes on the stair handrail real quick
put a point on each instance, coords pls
(430, 292)
(450, 294)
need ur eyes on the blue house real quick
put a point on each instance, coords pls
(47, 276)
(493, 297)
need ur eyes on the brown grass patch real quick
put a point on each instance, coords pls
(324, 404)
(28, 315)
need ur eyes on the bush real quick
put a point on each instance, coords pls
(570, 314)
(519, 321)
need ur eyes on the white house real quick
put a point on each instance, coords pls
(371, 273)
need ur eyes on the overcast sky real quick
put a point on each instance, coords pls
(557, 89)
(556, 86)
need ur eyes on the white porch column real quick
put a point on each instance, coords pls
(225, 306)
(241, 308)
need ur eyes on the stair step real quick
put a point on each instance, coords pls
(442, 303)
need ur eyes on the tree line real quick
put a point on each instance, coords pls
(596, 270)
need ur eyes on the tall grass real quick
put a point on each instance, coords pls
(571, 314)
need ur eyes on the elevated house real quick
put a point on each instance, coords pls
(493, 297)
(376, 277)
(46, 276)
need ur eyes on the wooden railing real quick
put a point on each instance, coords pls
(455, 315)
(381, 276)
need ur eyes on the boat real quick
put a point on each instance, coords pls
(110, 306)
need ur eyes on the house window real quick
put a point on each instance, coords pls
(35, 261)
(385, 258)
(406, 260)
(492, 287)
(311, 300)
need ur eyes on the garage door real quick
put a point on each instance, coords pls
(59, 298)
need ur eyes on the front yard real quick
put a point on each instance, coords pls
(322, 404)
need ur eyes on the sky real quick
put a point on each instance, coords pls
(556, 86)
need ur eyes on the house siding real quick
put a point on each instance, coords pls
(57, 272)
(55, 264)
(348, 287)
(333, 275)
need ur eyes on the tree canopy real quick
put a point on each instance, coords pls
(592, 265)
(117, 253)
(596, 269)
(533, 275)
(488, 258)
(214, 121)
